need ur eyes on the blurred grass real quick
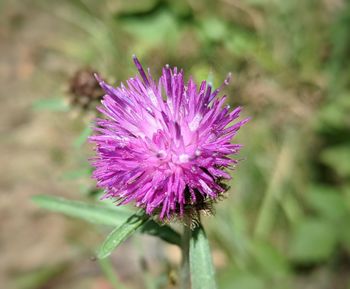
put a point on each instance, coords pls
(286, 217)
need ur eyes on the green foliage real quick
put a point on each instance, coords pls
(152, 30)
(327, 203)
(82, 138)
(135, 6)
(104, 215)
(289, 201)
(335, 115)
(271, 261)
(238, 279)
(337, 157)
(52, 104)
(89, 212)
(313, 240)
(166, 233)
(212, 29)
(201, 267)
(120, 234)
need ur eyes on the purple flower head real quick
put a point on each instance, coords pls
(165, 144)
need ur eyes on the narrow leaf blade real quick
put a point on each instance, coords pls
(53, 104)
(166, 233)
(82, 138)
(103, 215)
(120, 234)
(201, 266)
(89, 212)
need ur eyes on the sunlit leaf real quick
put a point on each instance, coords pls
(327, 202)
(338, 158)
(235, 278)
(135, 6)
(120, 234)
(76, 174)
(201, 266)
(271, 261)
(213, 29)
(52, 104)
(180, 7)
(92, 213)
(151, 31)
(110, 216)
(313, 240)
(334, 114)
(82, 138)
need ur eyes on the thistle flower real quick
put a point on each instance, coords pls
(165, 144)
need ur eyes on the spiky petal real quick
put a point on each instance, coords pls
(165, 144)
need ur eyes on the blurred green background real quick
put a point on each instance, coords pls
(285, 223)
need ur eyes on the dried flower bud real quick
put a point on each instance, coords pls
(84, 89)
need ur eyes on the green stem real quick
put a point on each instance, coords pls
(185, 264)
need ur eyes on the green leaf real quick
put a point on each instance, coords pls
(89, 212)
(181, 8)
(270, 260)
(213, 29)
(313, 240)
(150, 31)
(334, 114)
(104, 215)
(328, 202)
(135, 6)
(121, 233)
(53, 104)
(164, 232)
(81, 139)
(201, 266)
(337, 157)
(236, 278)
(76, 174)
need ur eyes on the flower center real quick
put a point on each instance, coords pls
(184, 158)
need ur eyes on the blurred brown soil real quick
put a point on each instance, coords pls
(34, 145)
